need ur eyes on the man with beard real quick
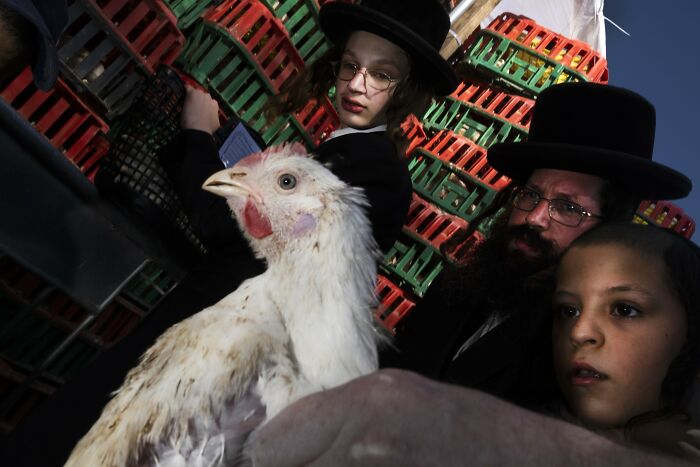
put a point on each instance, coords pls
(485, 324)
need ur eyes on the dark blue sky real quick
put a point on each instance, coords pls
(661, 61)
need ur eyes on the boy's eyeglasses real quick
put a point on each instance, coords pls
(377, 80)
(560, 210)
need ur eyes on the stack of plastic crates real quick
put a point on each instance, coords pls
(243, 55)
(517, 52)
(46, 337)
(108, 49)
(506, 66)
(667, 215)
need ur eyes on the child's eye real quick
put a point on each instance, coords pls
(379, 76)
(624, 310)
(566, 312)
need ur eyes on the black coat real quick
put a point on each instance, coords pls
(512, 361)
(365, 160)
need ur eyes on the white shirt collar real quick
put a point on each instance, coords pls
(348, 130)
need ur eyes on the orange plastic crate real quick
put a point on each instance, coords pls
(413, 129)
(467, 156)
(432, 225)
(510, 107)
(394, 305)
(147, 27)
(60, 116)
(319, 120)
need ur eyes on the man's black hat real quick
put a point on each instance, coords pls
(594, 129)
(419, 27)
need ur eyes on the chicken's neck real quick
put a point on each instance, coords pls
(325, 294)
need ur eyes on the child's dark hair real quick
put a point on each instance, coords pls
(682, 260)
(411, 95)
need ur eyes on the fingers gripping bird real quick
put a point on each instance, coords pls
(303, 325)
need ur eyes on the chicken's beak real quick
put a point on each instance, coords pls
(227, 183)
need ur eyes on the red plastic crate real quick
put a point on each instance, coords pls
(667, 215)
(510, 107)
(20, 284)
(430, 223)
(461, 252)
(262, 35)
(318, 120)
(147, 27)
(88, 159)
(574, 54)
(115, 321)
(467, 156)
(10, 379)
(413, 129)
(59, 115)
(394, 303)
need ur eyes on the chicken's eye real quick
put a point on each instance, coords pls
(287, 181)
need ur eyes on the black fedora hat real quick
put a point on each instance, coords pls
(417, 26)
(48, 18)
(594, 129)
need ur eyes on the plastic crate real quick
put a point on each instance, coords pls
(262, 36)
(447, 187)
(413, 263)
(667, 215)
(89, 158)
(466, 156)
(215, 59)
(10, 379)
(394, 303)
(187, 11)
(300, 18)
(510, 107)
(479, 126)
(414, 132)
(147, 27)
(430, 224)
(110, 46)
(318, 120)
(575, 54)
(60, 116)
(518, 66)
(32, 339)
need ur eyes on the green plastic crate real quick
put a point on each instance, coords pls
(479, 126)
(415, 264)
(222, 65)
(516, 65)
(187, 11)
(149, 286)
(300, 18)
(447, 187)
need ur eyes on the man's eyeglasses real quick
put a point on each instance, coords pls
(560, 210)
(377, 80)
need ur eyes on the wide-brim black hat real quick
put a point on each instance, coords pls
(419, 27)
(49, 18)
(594, 129)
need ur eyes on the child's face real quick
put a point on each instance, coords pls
(617, 327)
(359, 104)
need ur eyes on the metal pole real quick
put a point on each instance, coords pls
(459, 9)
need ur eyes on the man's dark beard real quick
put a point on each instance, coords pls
(495, 278)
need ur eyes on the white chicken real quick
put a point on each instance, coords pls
(304, 325)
